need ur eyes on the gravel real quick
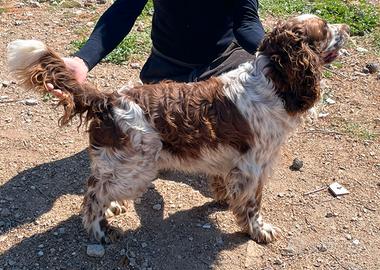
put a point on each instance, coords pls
(96, 251)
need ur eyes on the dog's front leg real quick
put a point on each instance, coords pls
(244, 198)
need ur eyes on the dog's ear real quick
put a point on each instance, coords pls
(294, 67)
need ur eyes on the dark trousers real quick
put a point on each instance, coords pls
(159, 67)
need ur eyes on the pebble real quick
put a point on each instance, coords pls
(17, 23)
(355, 242)
(348, 236)
(331, 214)
(157, 207)
(11, 262)
(144, 245)
(135, 66)
(34, 4)
(365, 70)
(40, 253)
(289, 251)
(344, 52)
(297, 165)
(5, 83)
(277, 261)
(322, 247)
(373, 67)
(330, 101)
(97, 251)
(31, 101)
(323, 114)
(61, 230)
(362, 50)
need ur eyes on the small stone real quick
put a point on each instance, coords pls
(365, 70)
(157, 207)
(40, 246)
(31, 101)
(355, 242)
(322, 248)
(5, 212)
(61, 230)
(40, 253)
(331, 214)
(34, 4)
(344, 52)
(17, 23)
(348, 236)
(281, 195)
(5, 83)
(97, 251)
(133, 255)
(289, 251)
(323, 114)
(330, 101)
(297, 165)
(361, 50)
(144, 245)
(138, 201)
(277, 261)
(373, 67)
(135, 66)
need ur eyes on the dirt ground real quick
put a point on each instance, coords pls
(43, 169)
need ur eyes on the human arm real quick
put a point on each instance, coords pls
(112, 27)
(248, 29)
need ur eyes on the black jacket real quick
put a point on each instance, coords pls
(191, 31)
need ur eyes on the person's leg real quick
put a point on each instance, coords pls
(231, 58)
(157, 69)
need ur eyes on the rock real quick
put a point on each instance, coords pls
(277, 261)
(144, 245)
(96, 251)
(5, 83)
(70, 4)
(323, 114)
(361, 50)
(330, 101)
(322, 247)
(344, 52)
(5, 212)
(348, 236)
(135, 65)
(355, 242)
(40, 253)
(331, 214)
(372, 67)
(17, 23)
(281, 195)
(297, 165)
(365, 70)
(289, 251)
(61, 230)
(31, 101)
(157, 207)
(34, 4)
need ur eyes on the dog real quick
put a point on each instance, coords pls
(230, 127)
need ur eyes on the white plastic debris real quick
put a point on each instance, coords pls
(337, 189)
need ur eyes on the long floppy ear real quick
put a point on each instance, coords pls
(294, 68)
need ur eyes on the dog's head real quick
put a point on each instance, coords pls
(297, 50)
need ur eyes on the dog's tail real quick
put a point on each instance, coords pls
(34, 66)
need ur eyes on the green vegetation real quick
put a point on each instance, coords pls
(362, 17)
(135, 46)
(353, 129)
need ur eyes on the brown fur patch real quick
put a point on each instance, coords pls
(294, 47)
(191, 117)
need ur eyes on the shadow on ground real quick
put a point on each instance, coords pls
(176, 242)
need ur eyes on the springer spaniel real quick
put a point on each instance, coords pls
(229, 127)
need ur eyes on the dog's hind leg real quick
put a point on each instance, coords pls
(218, 189)
(117, 175)
(244, 198)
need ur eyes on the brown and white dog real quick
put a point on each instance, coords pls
(229, 127)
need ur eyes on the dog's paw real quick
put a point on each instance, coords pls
(115, 209)
(265, 233)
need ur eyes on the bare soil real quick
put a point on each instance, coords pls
(43, 169)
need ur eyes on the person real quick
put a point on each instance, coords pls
(192, 39)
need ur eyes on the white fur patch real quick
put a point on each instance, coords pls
(22, 53)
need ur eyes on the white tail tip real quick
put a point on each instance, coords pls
(23, 53)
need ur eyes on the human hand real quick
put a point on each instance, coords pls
(79, 69)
